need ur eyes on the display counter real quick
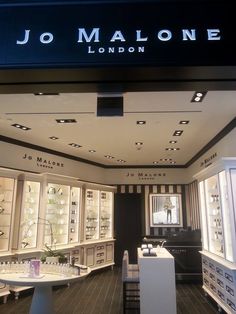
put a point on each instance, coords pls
(157, 282)
(185, 247)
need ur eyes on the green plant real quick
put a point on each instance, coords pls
(49, 252)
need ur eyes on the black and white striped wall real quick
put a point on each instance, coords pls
(190, 204)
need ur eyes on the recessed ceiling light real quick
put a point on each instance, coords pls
(121, 160)
(198, 96)
(75, 145)
(139, 143)
(173, 162)
(66, 120)
(155, 162)
(109, 156)
(172, 142)
(172, 148)
(141, 122)
(22, 127)
(92, 151)
(46, 94)
(53, 138)
(178, 133)
(166, 159)
(184, 122)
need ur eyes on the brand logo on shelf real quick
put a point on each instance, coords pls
(43, 162)
(117, 42)
(208, 161)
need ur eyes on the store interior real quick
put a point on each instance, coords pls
(108, 174)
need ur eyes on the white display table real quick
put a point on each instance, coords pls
(42, 299)
(157, 283)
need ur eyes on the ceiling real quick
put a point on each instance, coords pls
(116, 136)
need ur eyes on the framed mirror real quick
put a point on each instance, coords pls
(165, 210)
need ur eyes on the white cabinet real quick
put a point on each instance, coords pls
(91, 214)
(99, 254)
(61, 217)
(217, 189)
(8, 184)
(27, 212)
(98, 214)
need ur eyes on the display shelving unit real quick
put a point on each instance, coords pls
(7, 200)
(61, 217)
(217, 189)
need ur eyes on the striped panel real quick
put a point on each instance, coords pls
(131, 189)
(193, 203)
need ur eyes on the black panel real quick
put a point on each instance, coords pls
(128, 225)
(109, 106)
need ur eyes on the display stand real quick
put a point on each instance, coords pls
(217, 188)
(157, 282)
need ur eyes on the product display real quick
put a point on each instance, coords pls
(7, 186)
(92, 215)
(57, 214)
(106, 215)
(99, 214)
(29, 214)
(217, 186)
(74, 214)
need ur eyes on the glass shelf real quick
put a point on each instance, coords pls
(7, 186)
(29, 215)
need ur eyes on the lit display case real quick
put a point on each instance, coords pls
(7, 200)
(91, 214)
(106, 218)
(98, 214)
(62, 213)
(29, 215)
(217, 191)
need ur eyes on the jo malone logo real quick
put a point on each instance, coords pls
(43, 162)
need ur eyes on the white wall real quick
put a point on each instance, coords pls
(13, 156)
(224, 148)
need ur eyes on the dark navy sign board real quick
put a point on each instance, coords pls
(84, 35)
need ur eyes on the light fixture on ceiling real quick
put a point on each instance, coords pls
(22, 127)
(109, 156)
(75, 145)
(173, 162)
(66, 121)
(141, 122)
(92, 151)
(121, 160)
(198, 96)
(184, 122)
(138, 143)
(172, 142)
(172, 148)
(46, 94)
(165, 159)
(155, 162)
(53, 138)
(178, 133)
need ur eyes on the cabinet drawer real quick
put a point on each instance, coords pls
(221, 295)
(229, 276)
(213, 288)
(206, 282)
(212, 276)
(212, 266)
(230, 290)
(220, 283)
(100, 247)
(231, 305)
(219, 271)
(100, 261)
